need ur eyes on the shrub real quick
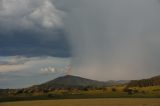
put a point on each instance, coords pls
(114, 89)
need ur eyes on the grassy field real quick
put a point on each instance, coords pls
(88, 102)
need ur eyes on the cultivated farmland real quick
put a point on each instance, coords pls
(88, 102)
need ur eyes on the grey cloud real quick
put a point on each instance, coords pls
(15, 60)
(28, 14)
(114, 39)
(1, 6)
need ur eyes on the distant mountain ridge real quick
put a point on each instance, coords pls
(154, 81)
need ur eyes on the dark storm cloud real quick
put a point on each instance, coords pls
(31, 43)
(32, 28)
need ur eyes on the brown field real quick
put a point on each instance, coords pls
(88, 102)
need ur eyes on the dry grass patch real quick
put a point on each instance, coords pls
(88, 102)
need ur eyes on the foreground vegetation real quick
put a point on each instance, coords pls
(88, 102)
(154, 81)
(118, 91)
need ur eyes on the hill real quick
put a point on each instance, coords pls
(70, 81)
(154, 81)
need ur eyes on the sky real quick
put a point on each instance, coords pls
(33, 45)
(100, 39)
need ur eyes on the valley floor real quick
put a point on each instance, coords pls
(89, 102)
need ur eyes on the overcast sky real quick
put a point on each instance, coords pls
(34, 47)
(114, 39)
(101, 39)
